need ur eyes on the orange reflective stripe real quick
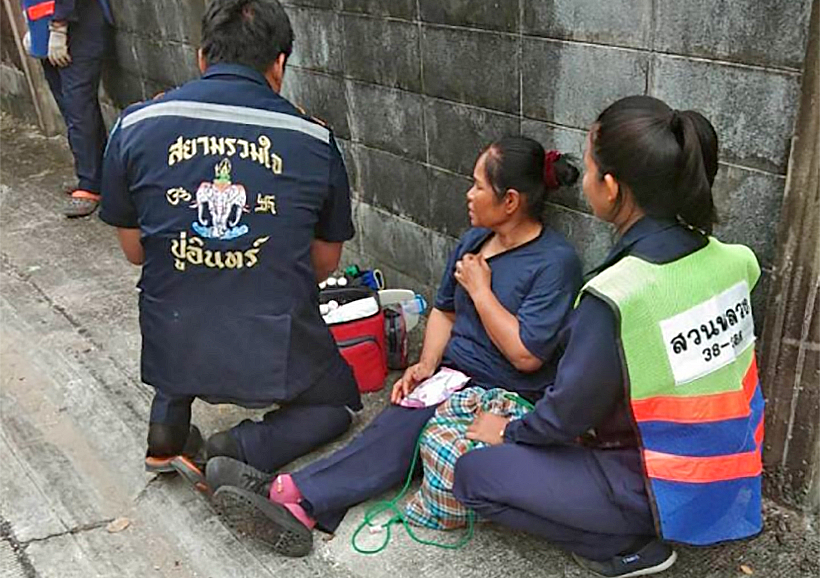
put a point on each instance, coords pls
(701, 470)
(40, 10)
(702, 408)
(750, 379)
(759, 433)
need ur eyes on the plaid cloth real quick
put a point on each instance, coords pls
(443, 441)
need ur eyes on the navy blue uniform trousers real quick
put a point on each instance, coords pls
(373, 462)
(75, 88)
(312, 419)
(566, 494)
(559, 493)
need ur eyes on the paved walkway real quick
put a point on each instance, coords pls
(74, 499)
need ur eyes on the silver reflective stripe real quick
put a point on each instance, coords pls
(228, 113)
(111, 134)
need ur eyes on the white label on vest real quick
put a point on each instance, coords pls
(709, 335)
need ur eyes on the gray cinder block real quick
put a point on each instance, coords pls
(770, 33)
(617, 22)
(570, 83)
(491, 14)
(752, 109)
(325, 4)
(456, 133)
(382, 51)
(320, 95)
(448, 201)
(748, 204)
(396, 241)
(387, 118)
(591, 237)
(351, 164)
(393, 183)
(476, 67)
(405, 9)
(317, 40)
(441, 249)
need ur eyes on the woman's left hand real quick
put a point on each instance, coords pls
(474, 274)
(488, 428)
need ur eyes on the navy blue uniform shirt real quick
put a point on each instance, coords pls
(88, 26)
(229, 184)
(588, 390)
(74, 10)
(537, 282)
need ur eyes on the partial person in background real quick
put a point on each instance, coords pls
(74, 45)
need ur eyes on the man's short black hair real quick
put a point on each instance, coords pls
(249, 32)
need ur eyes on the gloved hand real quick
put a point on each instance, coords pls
(27, 43)
(58, 44)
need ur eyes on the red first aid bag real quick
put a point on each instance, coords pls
(360, 340)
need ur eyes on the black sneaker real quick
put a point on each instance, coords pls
(257, 517)
(165, 444)
(224, 471)
(223, 444)
(653, 558)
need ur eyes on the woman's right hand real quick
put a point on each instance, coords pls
(413, 375)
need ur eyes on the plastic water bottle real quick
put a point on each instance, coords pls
(412, 309)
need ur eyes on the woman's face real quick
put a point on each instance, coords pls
(597, 190)
(484, 208)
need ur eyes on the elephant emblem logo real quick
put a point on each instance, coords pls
(219, 206)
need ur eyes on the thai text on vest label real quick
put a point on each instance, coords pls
(710, 335)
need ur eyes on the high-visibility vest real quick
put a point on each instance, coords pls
(687, 338)
(38, 16)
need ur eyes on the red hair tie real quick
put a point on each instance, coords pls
(550, 179)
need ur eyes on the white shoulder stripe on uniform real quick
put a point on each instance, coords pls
(228, 113)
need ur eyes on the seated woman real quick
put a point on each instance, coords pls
(655, 414)
(505, 293)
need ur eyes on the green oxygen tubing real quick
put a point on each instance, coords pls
(398, 516)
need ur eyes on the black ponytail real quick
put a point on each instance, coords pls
(697, 206)
(520, 163)
(667, 158)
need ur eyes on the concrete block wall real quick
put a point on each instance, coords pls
(15, 96)
(153, 47)
(414, 88)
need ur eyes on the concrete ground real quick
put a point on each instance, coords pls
(75, 501)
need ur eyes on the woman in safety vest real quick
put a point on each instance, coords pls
(652, 429)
